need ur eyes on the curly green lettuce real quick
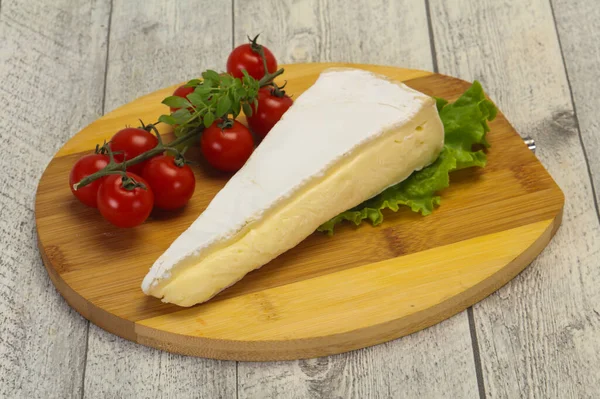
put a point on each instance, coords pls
(465, 128)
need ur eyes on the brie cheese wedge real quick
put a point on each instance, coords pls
(347, 138)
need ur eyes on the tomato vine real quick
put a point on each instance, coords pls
(215, 96)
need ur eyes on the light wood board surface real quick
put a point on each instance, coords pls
(361, 287)
(436, 362)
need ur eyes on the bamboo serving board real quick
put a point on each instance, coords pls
(363, 286)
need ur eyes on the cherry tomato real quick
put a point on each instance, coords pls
(131, 142)
(271, 107)
(172, 185)
(125, 207)
(247, 57)
(182, 92)
(84, 167)
(227, 149)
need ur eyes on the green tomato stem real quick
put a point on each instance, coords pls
(267, 80)
(114, 167)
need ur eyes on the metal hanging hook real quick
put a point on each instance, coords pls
(530, 143)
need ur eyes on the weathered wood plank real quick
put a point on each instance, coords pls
(52, 70)
(155, 44)
(117, 368)
(369, 32)
(432, 363)
(578, 25)
(539, 335)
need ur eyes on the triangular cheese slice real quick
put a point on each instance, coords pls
(347, 138)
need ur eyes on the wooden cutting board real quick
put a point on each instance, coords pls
(361, 287)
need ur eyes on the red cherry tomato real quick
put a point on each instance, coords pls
(125, 207)
(84, 167)
(131, 142)
(245, 57)
(270, 109)
(182, 91)
(227, 149)
(172, 185)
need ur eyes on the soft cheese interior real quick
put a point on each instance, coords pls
(346, 139)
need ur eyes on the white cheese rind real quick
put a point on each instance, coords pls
(349, 124)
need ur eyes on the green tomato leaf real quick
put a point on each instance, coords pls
(223, 106)
(168, 119)
(236, 107)
(226, 80)
(196, 99)
(208, 84)
(233, 96)
(181, 116)
(210, 75)
(176, 102)
(193, 83)
(248, 81)
(203, 91)
(208, 119)
(247, 109)
(241, 93)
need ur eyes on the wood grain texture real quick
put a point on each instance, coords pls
(156, 44)
(425, 364)
(411, 367)
(480, 243)
(371, 32)
(51, 73)
(578, 25)
(539, 336)
(393, 33)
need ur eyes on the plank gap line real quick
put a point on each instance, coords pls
(232, 24)
(110, 13)
(87, 332)
(470, 315)
(574, 106)
(476, 355)
(431, 37)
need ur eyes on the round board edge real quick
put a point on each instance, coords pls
(313, 347)
(303, 348)
(355, 339)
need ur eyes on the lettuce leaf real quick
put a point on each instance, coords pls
(465, 127)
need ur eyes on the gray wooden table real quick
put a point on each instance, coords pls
(63, 63)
